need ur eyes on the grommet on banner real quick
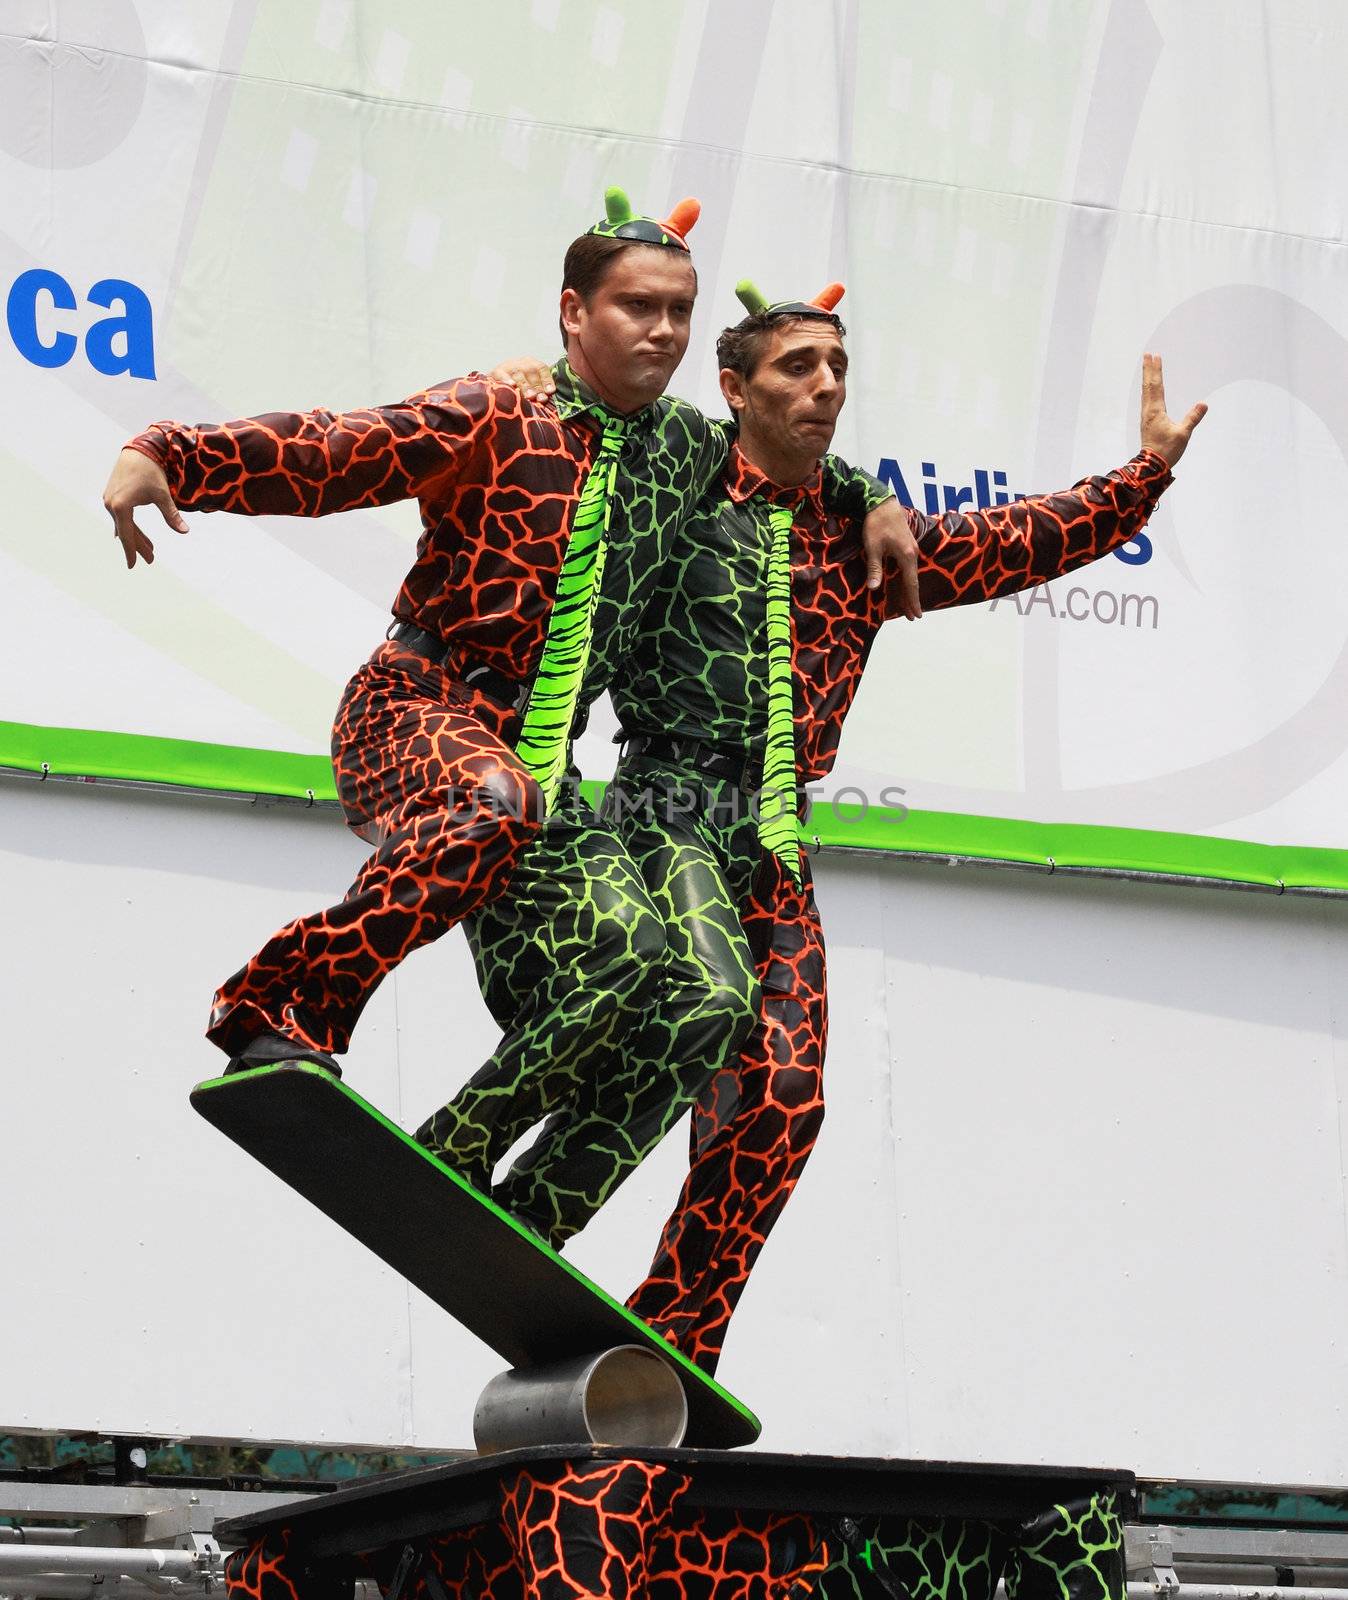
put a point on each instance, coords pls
(1052, 864)
(310, 793)
(46, 772)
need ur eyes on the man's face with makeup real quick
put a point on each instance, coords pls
(631, 333)
(789, 403)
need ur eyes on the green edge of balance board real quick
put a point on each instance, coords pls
(668, 1351)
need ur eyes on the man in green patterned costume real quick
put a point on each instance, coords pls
(585, 945)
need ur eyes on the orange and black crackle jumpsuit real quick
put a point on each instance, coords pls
(699, 672)
(424, 763)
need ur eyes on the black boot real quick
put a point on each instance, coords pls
(266, 1049)
(534, 1226)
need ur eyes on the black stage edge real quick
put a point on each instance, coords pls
(422, 1502)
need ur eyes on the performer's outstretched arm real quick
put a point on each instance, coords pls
(298, 463)
(978, 555)
(970, 556)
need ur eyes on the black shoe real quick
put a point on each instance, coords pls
(529, 1226)
(266, 1049)
(476, 1179)
(533, 1225)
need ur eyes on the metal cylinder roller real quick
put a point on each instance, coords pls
(626, 1395)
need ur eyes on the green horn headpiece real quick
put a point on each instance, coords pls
(620, 222)
(755, 303)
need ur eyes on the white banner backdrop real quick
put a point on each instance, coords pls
(1079, 1195)
(216, 210)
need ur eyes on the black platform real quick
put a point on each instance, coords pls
(425, 1501)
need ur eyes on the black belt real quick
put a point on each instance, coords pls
(742, 768)
(508, 693)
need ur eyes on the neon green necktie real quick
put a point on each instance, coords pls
(546, 728)
(778, 825)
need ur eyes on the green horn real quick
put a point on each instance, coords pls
(749, 297)
(617, 207)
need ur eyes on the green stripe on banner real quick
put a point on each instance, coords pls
(1071, 844)
(88, 753)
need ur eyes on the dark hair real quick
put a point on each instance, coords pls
(589, 258)
(740, 348)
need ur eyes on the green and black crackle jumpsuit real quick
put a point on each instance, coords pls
(745, 953)
(1069, 1551)
(585, 946)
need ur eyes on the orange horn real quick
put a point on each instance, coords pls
(682, 218)
(826, 299)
